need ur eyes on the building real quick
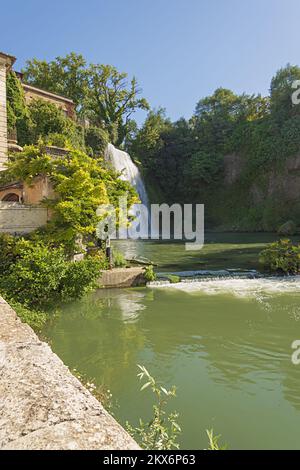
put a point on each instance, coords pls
(61, 102)
(6, 63)
(20, 204)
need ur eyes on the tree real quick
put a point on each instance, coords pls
(147, 141)
(111, 100)
(48, 122)
(101, 93)
(281, 93)
(63, 75)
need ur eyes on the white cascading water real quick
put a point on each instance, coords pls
(122, 163)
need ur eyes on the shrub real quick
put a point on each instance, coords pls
(119, 260)
(149, 274)
(36, 275)
(57, 140)
(173, 278)
(96, 139)
(79, 278)
(162, 431)
(282, 256)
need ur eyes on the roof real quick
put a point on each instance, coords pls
(14, 184)
(11, 58)
(46, 93)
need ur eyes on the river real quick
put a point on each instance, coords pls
(225, 344)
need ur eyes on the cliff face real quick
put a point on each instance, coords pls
(262, 201)
(284, 181)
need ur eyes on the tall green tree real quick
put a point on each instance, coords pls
(102, 94)
(63, 75)
(111, 100)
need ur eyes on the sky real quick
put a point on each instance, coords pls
(179, 50)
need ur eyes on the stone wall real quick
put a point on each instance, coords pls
(17, 218)
(122, 277)
(42, 405)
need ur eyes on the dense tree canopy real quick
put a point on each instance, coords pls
(185, 160)
(102, 94)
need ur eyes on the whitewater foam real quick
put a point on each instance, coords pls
(238, 287)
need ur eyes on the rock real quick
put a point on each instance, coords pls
(289, 228)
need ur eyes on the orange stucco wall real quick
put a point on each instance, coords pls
(41, 188)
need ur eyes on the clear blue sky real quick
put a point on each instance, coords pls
(179, 50)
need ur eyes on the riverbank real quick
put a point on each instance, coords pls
(43, 406)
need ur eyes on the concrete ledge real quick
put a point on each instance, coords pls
(122, 277)
(42, 405)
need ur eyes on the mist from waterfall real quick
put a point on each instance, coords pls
(123, 164)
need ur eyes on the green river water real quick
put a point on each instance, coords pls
(225, 344)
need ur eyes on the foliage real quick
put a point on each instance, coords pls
(214, 441)
(102, 94)
(36, 274)
(57, 140)
(81, 184)
(34, 318)
(18, 118)
(65, 76)
(149, 274)
(96, 140)
(119, 260)
(203, 167)
(110, 100)
(148, 141)
(281, 91)
(189, 155)
(48, 121)
(162, 431)
(282, 256)
(100, 392)
(173, 278)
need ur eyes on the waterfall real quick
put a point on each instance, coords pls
(123, 164)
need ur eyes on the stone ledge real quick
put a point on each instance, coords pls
(122, 277)
(42, 405)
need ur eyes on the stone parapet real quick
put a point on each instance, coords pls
(42, 405)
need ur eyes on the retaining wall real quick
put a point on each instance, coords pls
(42, 405)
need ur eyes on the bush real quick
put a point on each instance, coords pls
(119, 260)
(97, 140)
(282, 257)
(48, 122)
(36, 275)
(149, 274)
(79, 278)
(57, 140)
